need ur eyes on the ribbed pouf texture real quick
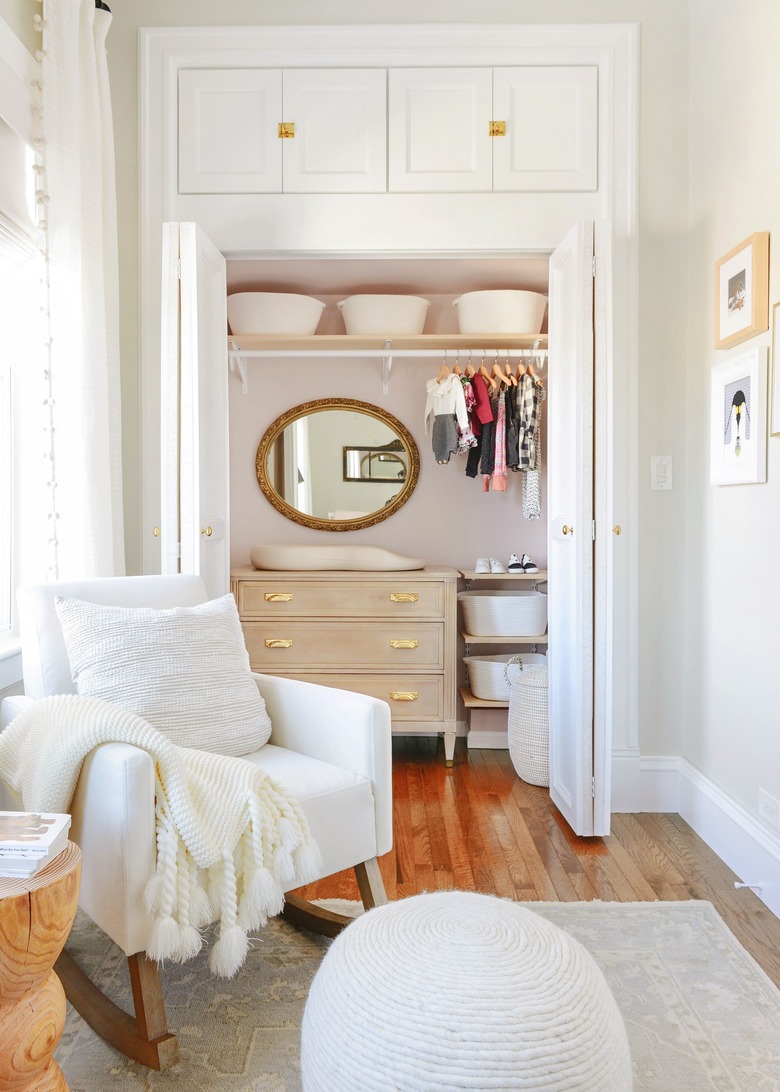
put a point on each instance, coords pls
(457, 990)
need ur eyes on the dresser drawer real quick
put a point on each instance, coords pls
(394, 646)
(410, 697)
(280, 598)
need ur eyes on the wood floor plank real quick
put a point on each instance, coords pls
(477, 826)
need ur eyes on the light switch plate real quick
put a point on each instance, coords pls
(661, 472)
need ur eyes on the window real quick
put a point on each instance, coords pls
(23, 438)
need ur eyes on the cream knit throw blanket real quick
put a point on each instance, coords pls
(228, 838)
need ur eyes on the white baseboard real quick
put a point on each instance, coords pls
(671, 783)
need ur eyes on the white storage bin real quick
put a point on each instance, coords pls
(500, 311)
(504, 613)
(378, 315)
(487, 674)
(273, 313)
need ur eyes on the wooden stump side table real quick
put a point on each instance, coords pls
(36, 915)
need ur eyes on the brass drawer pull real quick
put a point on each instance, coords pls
(277, 642)
(404, 644)
(278, 597)
(404, 596)
(404, 695)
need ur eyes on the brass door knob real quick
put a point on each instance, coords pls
(567, 530)
(207, 531)
(617, 529)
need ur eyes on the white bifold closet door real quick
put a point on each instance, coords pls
(577, 505)
(194, 409)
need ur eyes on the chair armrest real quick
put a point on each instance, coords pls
(112, 821)
(336, 726)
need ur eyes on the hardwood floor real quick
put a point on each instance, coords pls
(476, 826)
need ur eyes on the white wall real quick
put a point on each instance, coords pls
(732, 693)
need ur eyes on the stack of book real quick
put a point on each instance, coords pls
(29, 840)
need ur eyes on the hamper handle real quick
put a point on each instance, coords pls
(512, 660)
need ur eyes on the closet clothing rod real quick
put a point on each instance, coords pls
(438, 354)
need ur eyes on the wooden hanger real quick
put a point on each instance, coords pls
(488, 377)
(470, 370)
(444, 371)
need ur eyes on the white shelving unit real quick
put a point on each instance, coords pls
(484, 730)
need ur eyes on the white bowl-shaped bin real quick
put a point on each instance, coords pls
(504, 613)
(273, 313)
(500, 311)
(384, 315)
(488, 674)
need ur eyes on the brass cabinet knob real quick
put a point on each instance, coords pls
(157, 532)
(617, 529)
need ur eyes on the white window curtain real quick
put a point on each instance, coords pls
(78, 188)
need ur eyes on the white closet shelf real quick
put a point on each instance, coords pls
(514, 639)
(264, 344)
(534, 578)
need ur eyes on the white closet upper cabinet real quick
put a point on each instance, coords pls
(232, 121)
(493, 129)
(340, 143)
(551, 140)
(438, 130)
(228, 119)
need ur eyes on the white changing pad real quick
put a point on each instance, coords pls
(359, 558)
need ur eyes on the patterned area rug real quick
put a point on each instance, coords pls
(700, 1013)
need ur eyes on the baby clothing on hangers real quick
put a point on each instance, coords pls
(530, 395)
(499, 463)
(445, 412)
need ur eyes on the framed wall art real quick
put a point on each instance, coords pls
(742, 291)
(775, 426)
(738, 419)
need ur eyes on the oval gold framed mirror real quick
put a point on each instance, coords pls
(337, 464)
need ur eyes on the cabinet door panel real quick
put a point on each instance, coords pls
(339, 144)
(228, 120)
(439, 129)
(551, 141)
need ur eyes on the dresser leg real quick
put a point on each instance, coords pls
(449, 745)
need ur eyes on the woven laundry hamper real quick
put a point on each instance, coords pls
(528, 723)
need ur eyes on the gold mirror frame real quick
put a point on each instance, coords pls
(275, 430)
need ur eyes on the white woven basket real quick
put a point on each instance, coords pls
(528, 723)
(487, 679)
(504, 613)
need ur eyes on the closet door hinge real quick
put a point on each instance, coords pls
(593, 787)
(593, 530)
(178, 268)
(593, 266)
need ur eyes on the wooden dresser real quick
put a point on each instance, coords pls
(387, 634)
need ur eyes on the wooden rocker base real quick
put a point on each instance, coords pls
(318, 919)
(146, 1038)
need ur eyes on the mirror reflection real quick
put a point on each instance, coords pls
(337, 464)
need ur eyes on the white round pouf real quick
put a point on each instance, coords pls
(457, 990)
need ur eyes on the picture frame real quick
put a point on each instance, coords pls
(742, 291)
(775, 426)
(738, 418)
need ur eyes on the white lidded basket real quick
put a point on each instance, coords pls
(379, 315)
(273, 313)
(504, 613)
(489, 676)
(500, 311)
(528, 725)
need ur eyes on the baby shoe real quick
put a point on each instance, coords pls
(528, 565)
(482, 565)
(496, 566)
(515, 564)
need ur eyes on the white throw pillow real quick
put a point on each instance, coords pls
(185, 670)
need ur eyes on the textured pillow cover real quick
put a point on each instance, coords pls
(185, 670)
